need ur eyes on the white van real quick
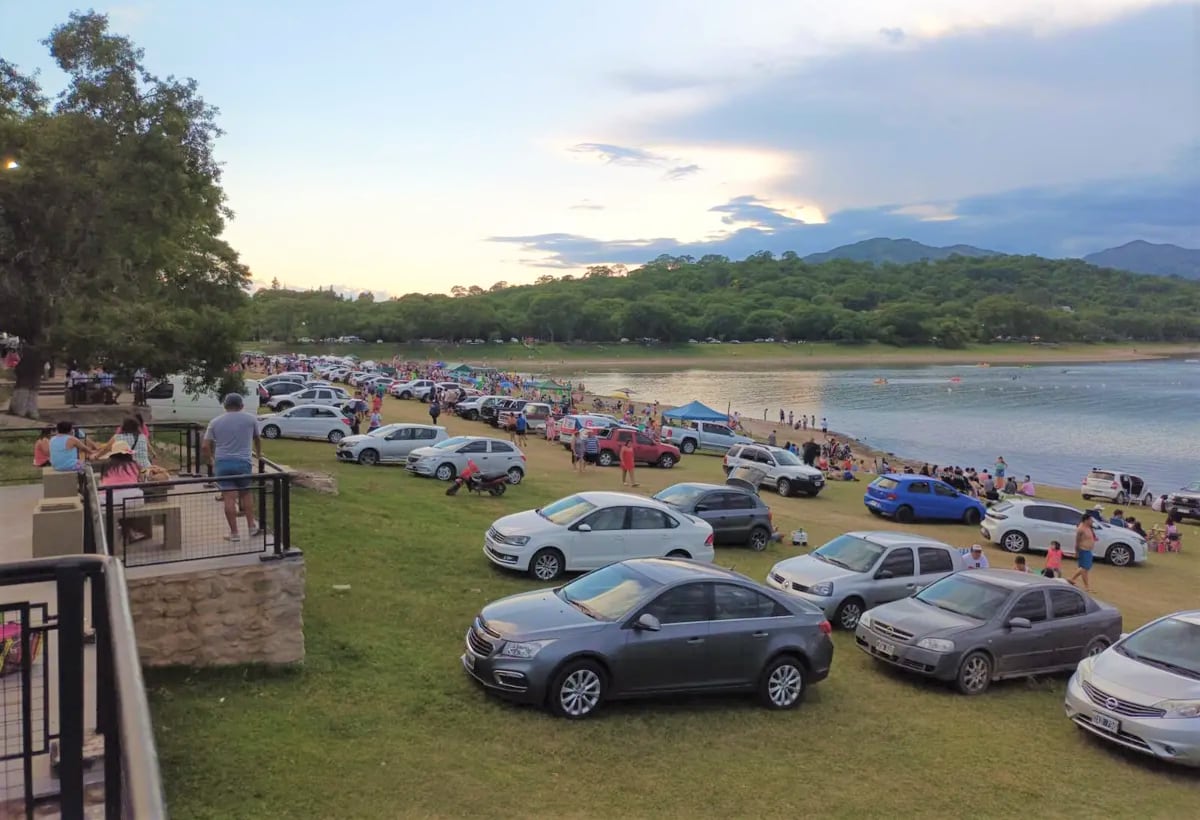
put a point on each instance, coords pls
(169, 400)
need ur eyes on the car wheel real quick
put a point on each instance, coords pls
(971, 516)
(759, 538)
(1147, 499)
(605, 459)
(679, 554)
(1086, 497)
(515, 475)
(405, 394)
(283, 407)
(335, 436)
(904, 514)
(782, 683)
(1119, 555)
(546, 564)
(784, 487)
(271, 431)
(472, 415)
(666, 461)
(848, 613)
(688, 447)
(1096, 646)
(577, 691)
(1014, 541)
(368, 457)
(444, 472)
(974, 674)
(1122, 498)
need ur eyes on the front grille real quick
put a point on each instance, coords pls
(777, 578)
(889, 631)
(479, 645)
(1119, 706)
(799, 587)
(1123, 737)
(1185, 501)
(495, 535)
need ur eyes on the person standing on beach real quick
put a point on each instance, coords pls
(1085, 540)
(811, 451)
(771, 439)
(1001, 467)
(765, 411)
(781, 416)
(791, 418)
(824, 425)
(577, 450)
(627, 477)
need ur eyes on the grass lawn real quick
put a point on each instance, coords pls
(382, 722)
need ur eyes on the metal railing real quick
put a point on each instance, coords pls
(177, 446)
(132, 785)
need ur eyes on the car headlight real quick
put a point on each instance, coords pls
(865, 619)
(1180, 708)
(514, 540)
(936, 644)
(526, 650)
(824, 588)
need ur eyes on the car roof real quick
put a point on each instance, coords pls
(1046, 502)
(1191, 616)
(1012, 579)
(611, 498)
(318, 406)
(891, 538)
(700, 485)
(669, 570)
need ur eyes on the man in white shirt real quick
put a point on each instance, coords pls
(974, 558)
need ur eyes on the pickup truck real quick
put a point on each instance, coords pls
(703, 435)
(645, 449)
(536, 415)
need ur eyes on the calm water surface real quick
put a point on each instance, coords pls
(1052, 421)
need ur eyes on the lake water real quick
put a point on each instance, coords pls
(1054, 422)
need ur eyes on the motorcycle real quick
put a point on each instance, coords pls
(494, 485)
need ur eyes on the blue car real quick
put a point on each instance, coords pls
(906, 497)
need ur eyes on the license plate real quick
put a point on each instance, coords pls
(873, 503)
(469, 661)
(1106, 723)
(885, 648)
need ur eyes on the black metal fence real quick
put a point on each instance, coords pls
(176, 447)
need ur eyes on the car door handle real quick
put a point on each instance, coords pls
(760, 634)
(695, 640)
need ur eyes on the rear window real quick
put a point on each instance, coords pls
(1100, 475)
(885, 483)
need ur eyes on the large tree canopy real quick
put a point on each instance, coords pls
(110, 221)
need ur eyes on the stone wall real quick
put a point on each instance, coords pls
(219, 612)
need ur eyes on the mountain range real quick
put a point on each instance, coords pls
(1137, 256)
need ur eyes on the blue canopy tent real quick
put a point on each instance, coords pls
(695, 411)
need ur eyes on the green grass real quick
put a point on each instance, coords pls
(382, 722)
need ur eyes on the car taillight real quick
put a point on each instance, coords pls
(708, 542)
(997, 516)
(1114, 485)
(891, 497)
(345, 421)
(522, 456)
(825, 627)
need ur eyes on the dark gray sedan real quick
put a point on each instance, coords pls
(734, 511)
(648, 626)
(978, 626)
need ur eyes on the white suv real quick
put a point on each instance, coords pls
(783, 470)
(1027, 524)
(328, 396)
(1115, 486)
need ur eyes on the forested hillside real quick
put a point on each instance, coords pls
(950, 302)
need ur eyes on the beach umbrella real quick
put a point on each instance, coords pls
(505, 383)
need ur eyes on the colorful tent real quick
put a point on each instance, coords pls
(458, 369)
(695, 411)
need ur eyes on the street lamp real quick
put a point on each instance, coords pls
(11, 165)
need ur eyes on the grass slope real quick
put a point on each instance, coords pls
(382, 722)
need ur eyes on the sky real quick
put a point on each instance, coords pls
(402, 146)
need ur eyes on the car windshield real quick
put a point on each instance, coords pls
(965, 596)
(385, 430)
(884, 483)
(786, 458)
(1100, 475)
(1172, 644)
(1194, 487)
(849, 552)
(608, 593)
(451, 443)
(680, 495)
(566, 510)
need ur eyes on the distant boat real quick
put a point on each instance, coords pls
(983, 364)
(881, 381)
(956, 379)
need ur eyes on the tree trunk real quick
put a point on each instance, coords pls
(24, 401)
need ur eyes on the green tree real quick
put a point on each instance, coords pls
(110, 247)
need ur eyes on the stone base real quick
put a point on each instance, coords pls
(219, 612)
(57, 527)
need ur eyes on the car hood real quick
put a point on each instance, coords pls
(800, 470)
(922, 620)
(1132, 680)
(350, 441)
(534, 615)
(525, 523)
(421, 452)
(809, 570)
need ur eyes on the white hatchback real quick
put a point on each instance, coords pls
(315, 421)
(589, 530)
(1029, 524)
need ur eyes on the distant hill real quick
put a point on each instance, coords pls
(1147, 257)
(899, 251)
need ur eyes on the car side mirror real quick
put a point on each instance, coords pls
(884, 574)
(584, 528)
(701, 508)
(1124, 635)
(1019, 623)
(647, 623)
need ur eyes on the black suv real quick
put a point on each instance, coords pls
(1185, 501)
(735, 512)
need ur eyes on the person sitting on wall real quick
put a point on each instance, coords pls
(68, 453)
(41, 448)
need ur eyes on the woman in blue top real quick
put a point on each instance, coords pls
(67, 452)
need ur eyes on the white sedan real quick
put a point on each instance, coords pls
(589, 530)
(315, 421)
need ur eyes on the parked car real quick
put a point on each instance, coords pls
(536, 415)
(737, 515)
(1143, 692)
(266, 392)
(982, 625)
(860, 570)
(647, 627)
(1027, 524)
(314, 421)
(170, 400)
(906, 498)
(1185, 501)
(645, 449)
(591, 529)
(710, 436)
(784, 471)
(1115, 486)
(567, 425)
(290, 376)
(328, 396)
(449, 457)
(389, 444)
(408, 389)
(424, 392)
(505, 407)
(469, 408)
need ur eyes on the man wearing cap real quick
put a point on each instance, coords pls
(229, 442)
(974, 558)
